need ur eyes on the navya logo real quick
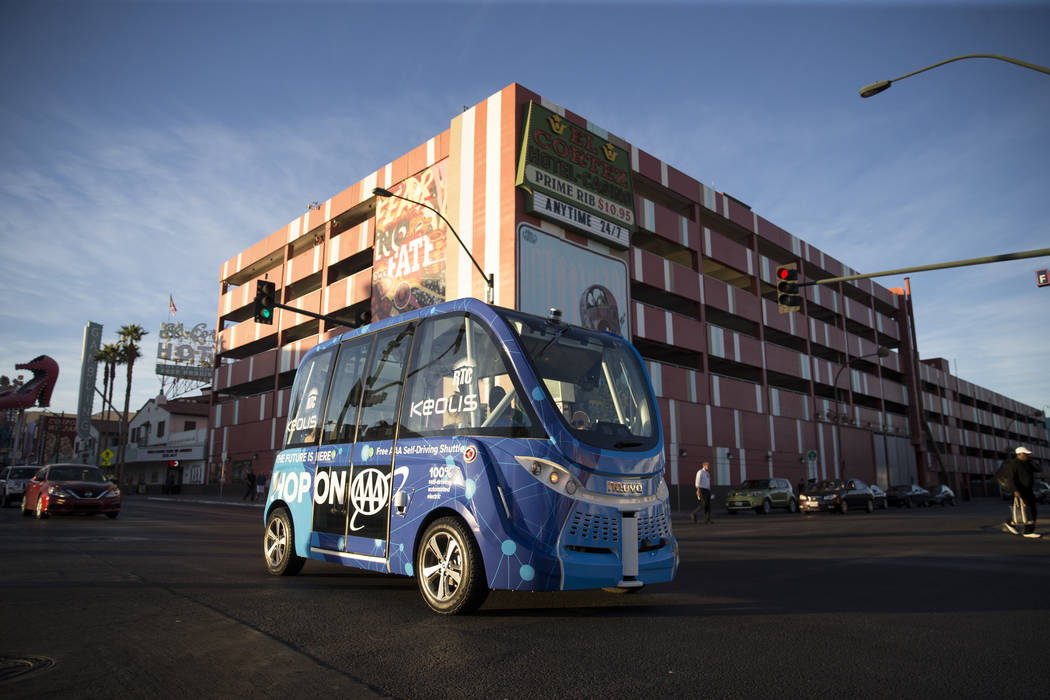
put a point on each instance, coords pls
(625, 488)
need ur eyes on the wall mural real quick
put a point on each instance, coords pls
(408, 271)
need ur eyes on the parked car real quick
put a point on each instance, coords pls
(70, 488)
(839, 495)
(13, 482)
(879, 495)
(940, 495)
(907, 495)
(761, 496)
(1042, 491)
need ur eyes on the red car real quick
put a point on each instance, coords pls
(70, 488)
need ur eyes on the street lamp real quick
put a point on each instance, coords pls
(881, 352)
(489, 279)
(882, 85)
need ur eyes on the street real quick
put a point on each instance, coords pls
(172, 600)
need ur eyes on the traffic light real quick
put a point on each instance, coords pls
(264, 301)
(788, 299)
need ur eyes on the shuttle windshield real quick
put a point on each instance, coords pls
(594, 379)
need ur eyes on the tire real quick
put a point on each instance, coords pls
(843, 507)
(449, 570)
(792, 506)
(26, 511)
(112, 515)
(765, 508)
(39, 511)
(870, 506)
(279, 544)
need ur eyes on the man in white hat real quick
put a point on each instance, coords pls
(1023, 471)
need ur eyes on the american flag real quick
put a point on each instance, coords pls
(171, 305)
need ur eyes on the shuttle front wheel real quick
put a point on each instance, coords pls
(449, 569)
(279, 545)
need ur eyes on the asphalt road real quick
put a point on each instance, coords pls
(172, 600)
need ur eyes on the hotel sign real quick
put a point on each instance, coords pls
(576, 177)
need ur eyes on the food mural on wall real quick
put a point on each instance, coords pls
(408, 271)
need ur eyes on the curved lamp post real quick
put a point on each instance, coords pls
(489, 279)
(882, 85)
(881, 352)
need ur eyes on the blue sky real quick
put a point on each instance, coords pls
(144, 143)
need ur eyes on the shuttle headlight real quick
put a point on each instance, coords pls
(557, 478)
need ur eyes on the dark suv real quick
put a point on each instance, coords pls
(907, 495)
(940, 495)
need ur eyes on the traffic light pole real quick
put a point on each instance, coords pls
(323, 317)
(937, 266)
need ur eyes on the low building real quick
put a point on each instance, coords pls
(562, 213)
(166, 450)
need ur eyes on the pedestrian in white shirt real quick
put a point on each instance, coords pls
(703, 493)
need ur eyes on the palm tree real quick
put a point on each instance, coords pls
(129, 335)
(109, 356)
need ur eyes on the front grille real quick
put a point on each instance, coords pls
(588, 528)
(595, 533)
(653, 527)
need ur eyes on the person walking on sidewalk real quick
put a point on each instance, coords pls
(249, 480)
(703, 493)
(1023, 513)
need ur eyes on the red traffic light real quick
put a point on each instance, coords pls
(788, 299)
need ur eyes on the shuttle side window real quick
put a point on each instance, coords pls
(307, 403)
(459, 383)
(381, 393)
(340, 423)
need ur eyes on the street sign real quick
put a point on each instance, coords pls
(107, 457)
(1042, 278)
(811, 455)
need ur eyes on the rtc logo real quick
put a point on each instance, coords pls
(470, 454)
